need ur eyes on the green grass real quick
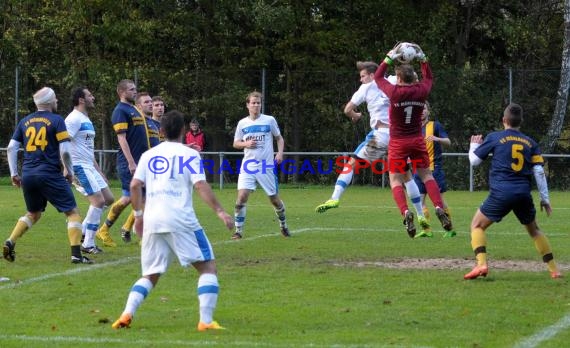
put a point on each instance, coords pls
(320, 288)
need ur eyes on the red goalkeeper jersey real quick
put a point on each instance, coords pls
(406, 102)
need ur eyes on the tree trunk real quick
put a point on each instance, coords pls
(553, 133)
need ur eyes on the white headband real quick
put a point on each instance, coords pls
(44, 96)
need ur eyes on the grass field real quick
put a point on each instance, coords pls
(347, 278)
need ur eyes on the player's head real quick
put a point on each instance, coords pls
(144, 103)
(253, 103)
(366, 71)
(157, 107)
(172, 125)
(406, 74)
(127, 91)
(425, 113)
(45, 99)
(513, 115)
(82, 96)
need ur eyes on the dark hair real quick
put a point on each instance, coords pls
(406, 73)
(157, 98)
(514, 115)
(78, 93)
(172, 124)
(370, 67)
(195, 121)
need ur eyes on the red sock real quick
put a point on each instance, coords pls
(400, 198)
(433, 192)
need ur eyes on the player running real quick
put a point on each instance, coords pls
(516, 157)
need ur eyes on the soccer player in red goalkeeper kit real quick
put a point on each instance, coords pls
(407, 100)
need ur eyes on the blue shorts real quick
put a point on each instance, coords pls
(40, 189)
(439, 177)
(499, 204)
(125, 176)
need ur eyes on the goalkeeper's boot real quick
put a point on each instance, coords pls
(211, 326)
(449, 234)
(426, 230)
(444, 219)
(8, 251)
(555, 275)
(126, 235)
(104, 235)
(476, 272)
(123, 322)
(331, 203)
(409, 223)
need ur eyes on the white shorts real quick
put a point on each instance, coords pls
(158, 249)
(88, 180)
(267, 180)
(375, 146)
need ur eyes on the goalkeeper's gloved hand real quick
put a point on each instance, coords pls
(420, 55)
(393, 54)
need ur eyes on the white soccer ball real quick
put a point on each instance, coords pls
(408, 52)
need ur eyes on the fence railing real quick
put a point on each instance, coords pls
(459, 172)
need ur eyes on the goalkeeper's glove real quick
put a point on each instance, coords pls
(420, 55)
(393, 54)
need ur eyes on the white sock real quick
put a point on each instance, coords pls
(414, 193)
(280, 212)
(208, 289)
(239, 217)
(91, 225)
(341, 184)
(139, 292)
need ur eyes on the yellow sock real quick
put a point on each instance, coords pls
(114, 212)
(74, 229)
(543, 246)
(479, 245)
(425, 210)
(448, 212)
(128, 225)
(24, 223)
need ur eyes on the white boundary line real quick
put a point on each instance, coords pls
(189, 342)
(545, 334)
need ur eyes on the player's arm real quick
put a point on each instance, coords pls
(65, 154)
(137, 204)
(12, 152)
(280, 148)
(207, 195)
(427, 76)
(542, 185)
(476, 141)
(350, 112)
(123, 143)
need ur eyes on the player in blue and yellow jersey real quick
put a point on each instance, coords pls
(46, 145)
(435, 136)
(143, 105)
(131, 129)
(157, 112)
(516, 158)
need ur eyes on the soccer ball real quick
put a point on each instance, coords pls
(408, 52)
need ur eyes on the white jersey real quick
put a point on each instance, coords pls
(82, 134)
(169, 171)
(263, 129)
(377, 102)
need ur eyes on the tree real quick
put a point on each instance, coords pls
(555, 128)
